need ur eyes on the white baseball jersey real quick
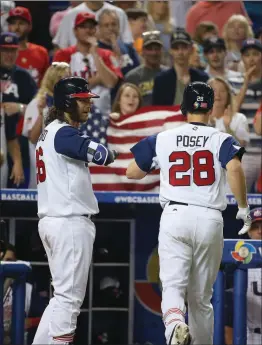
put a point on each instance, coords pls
(63, 178)
(192, 160)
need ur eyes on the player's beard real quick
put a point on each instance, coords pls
(73, 116)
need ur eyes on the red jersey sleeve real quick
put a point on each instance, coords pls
(111, 61)
(63, 55)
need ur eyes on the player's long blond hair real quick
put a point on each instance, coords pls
(230, 45)
(53, 74)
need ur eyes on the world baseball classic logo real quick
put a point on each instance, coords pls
(243, 252)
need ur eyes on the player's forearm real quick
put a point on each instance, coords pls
(14, 150)
(133, 172)
(69, 143)
(109, 79)
(237, 182)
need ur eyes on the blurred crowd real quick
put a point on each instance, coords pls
(133, 54)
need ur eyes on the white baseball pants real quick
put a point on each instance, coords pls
(68, 243)
(190, 252)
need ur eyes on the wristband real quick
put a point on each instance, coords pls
(21, 108)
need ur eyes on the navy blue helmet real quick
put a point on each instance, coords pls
(198, 98)
(67, 90)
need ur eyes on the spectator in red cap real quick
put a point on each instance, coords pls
(31, 56)
(99, 66)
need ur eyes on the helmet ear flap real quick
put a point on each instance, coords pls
(69, 104)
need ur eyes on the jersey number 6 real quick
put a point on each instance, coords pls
(207, 178)
(40, 166)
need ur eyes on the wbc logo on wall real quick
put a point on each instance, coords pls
(243, 252)
(148, 291)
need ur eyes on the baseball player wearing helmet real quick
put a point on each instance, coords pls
(193, 161)
(65, 207)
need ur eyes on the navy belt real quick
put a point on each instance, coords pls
(177, 203)
(184, 204)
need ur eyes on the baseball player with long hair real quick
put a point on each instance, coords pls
(193, 160)
(66, 202)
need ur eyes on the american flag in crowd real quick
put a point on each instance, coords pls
(96, 126)
(122, 134)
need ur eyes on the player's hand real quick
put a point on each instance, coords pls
(112, 155)
(244, 214)
(17, 174)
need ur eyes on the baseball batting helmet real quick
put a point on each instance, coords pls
(198, 98)
(67, 90)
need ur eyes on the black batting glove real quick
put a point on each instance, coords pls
(112, 155)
